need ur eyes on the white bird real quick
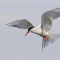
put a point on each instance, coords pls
(41, 30)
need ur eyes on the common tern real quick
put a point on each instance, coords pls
(41, 29)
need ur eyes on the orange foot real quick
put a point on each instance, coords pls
(45, 38)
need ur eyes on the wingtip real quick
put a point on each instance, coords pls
(8, 24)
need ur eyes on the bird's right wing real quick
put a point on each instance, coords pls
(23, 23)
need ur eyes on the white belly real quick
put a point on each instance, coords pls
(37, 30)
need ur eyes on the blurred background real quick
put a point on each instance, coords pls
(13, 44)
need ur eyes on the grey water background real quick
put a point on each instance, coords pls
(13, 44)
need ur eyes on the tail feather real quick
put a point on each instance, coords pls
(51, 39)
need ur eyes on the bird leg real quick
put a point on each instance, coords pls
(45, 38)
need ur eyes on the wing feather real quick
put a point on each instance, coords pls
(48, 17)
(23, 23)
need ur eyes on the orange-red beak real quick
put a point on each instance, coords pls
(26, 33)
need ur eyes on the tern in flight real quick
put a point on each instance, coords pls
(41, 29)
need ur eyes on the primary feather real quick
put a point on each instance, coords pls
(23, 23)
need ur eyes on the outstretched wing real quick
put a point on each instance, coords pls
(23, 23)
(48, 17)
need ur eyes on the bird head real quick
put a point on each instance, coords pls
(29, 30)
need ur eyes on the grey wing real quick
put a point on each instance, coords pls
(23, 23)
(48, 17)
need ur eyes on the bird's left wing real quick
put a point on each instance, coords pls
(48, 17)
(23, 23)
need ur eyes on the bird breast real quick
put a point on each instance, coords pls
(36, 30)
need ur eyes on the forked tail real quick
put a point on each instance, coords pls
(49, 39)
